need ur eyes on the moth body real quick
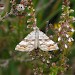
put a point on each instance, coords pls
(36, 42)
(36, 39)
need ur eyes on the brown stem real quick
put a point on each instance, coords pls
(66, 2)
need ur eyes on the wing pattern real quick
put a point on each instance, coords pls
(45, 43)
(28, 44)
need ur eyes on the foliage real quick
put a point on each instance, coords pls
(15, 24)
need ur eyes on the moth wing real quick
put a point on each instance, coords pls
(45, 43)
(27, 44)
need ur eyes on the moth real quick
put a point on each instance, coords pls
(36, 39)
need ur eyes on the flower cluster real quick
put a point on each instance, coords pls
(63, 34)
(54, 60)
(65, 28)
(18, 9)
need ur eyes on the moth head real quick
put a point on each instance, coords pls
(36, 28)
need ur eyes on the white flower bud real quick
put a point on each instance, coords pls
(67, 35)
(68, 7)
(1, 8)
(29, 14)
(33, 58)
(48, 61)
(20, 7)
(28, 21)
(50, 57)
(66, 46)
(43, 60)
(63, 14)
(69, 40)
(59, 29)
(59, 38)
(71, 11)
(33, 9)
(72, 30)
(73, 18)
(72, 39)
(35, 19)
(67, 26)
(63, 6)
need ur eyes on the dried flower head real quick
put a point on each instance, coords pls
(20, 7)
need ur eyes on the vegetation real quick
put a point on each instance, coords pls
(55, 18)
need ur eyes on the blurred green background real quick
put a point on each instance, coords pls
(13, 30)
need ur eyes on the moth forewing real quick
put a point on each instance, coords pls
(27, 44)
(36, 39)
(45, 43)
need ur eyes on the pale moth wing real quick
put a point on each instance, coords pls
(45, 43)
(36, 39)
(27, 44)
